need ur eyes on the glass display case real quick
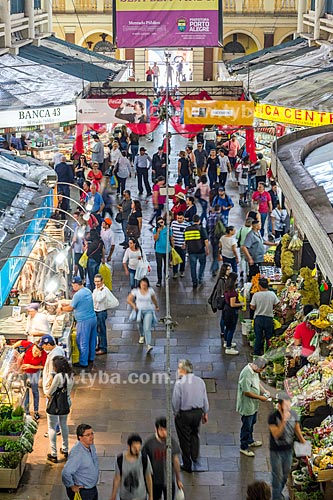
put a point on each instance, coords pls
(12, 387)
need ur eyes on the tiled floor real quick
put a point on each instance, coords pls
(117, 409)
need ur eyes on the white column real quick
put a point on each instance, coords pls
(319, 10)
(300, 13)
(29, 12)
(5, 18)
(239, 6)
(100, 6)
(269, 6)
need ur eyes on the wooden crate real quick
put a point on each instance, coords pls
(10, 478)
(316, 404)
(325, 475)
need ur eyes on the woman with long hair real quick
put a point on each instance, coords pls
(132, 256)
(80, 169)
(230, 312)
(203, 199)
(134, 222)
(95, 175)
(62, 378)
(228, 245)
(259, 490)
(96, 255)
(143, 301)
(220, 284)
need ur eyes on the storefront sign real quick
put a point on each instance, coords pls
(240, 113)
(301, 117)
(167, 23)
(113, 110)
(37, 116)
(13, 266)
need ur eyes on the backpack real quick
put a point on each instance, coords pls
(144, 458)
(219, 229)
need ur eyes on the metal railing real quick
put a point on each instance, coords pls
(285, 6)
(229, 6)
(85, 5)
(108, 5)
(253, 6)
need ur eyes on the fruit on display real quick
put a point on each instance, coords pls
(255, 283)
(295, 243)
(287, 258)
(309, 288)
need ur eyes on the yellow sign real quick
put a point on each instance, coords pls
(301, 117)
(239, 113)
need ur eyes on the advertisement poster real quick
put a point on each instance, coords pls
(113, 110)
(294, 116)
(240, 113)
(171, 23)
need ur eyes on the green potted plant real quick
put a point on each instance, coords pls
(6, 411)
(2, 445)
(4, 427)
(251, 338)
(18, 413)
(10, 460)
(13, 446)
(15, 428)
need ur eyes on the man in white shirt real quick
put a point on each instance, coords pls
(37, 323)
(108, 238)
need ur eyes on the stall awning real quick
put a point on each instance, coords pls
(8, 192)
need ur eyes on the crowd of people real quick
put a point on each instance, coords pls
(187, 226)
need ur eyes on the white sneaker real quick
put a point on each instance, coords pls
(233, 344)
(175, 276)
(231, 351)
(149, 348)
(141, 340)
(255, 444)
(248, 453)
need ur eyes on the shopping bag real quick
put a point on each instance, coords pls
(77, 496)
(75, 349)
(112, 301)
(105, 271)
(142, 269)
(180, 494)
(83, 262)
(113, 181)
(175, 257)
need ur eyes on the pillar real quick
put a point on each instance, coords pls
(30, 13)
(48, 8)
(301, 10)
(319, 10)
(5, 16)
(198, 66)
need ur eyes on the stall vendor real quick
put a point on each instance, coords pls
(304, 332)
(37, 323)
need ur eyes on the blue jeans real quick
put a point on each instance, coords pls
(263, 220)
(86, 336)
(212, 179)
(92, 268)
(182, 252)
(52, 422)
(145, 325)
(133, 281)
(229, 332)
(209, 145)
(231, 261)
(251, 183)
(281, 463)
(204, 205)
(34, 379)
(215, 254)
(263, 328)
(246, 433)
(134, 151)
(123, 227)
(160, 258)
(222, 325)
(101, 330)
(186, 180)
(194, 258)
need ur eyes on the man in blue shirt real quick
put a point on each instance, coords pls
(97, 201)
(160, 238)
(142, 164)
(226, 204)
(86, 323)
(190, 407)
(81, 470)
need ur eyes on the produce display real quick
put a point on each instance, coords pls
(309, 287)
(287, 258)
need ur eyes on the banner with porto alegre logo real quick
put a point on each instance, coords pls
(167, 23)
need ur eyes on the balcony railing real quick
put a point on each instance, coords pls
(59, 5)
(229, 6)
(85, 5)
(253, 6)
(16, 6)
(108, 5)
(285, 6)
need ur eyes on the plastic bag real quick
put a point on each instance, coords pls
(175, 257)
(83, 262)
(75, 349)
(143, 268)
(112, 301)
(180, 494)
(77, 496)
(105, 271)
(113, 181)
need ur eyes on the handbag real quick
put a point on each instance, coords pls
(83, 262)
(133, 231)
(220, 302)
(197, 193)
(119, 218)
(58, 403)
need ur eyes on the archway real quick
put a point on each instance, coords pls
(94, 37)
(286, 38)
(238, 44)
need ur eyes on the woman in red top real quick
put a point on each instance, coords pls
(304, 332)
(95, 175)
(34, 359)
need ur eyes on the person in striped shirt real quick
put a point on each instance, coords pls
(178, 229)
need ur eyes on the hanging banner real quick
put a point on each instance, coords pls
(301, 117)
(171, 23)
(113, 110)
(240, 113)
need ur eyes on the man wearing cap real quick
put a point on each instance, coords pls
(37, 324)
(142, 164)
(86, 324)
(107, 238)
(158, 164)
(49, 345)
(200, 159)
(249, 394)
(196, 239)
(283, 426)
